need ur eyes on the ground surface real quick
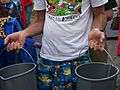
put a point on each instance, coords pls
(112, 43)
(112, 48)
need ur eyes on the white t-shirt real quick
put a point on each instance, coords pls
(66, 28)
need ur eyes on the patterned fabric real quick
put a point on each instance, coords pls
(10, 26)
(8, 58)
(2, 22)
(53, 75)
(12, 9)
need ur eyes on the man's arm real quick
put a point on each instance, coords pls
(96, 36)
(100, 18)
(36, 27)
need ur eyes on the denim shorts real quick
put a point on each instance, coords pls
(59, 75)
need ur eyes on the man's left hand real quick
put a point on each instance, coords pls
(96, 39)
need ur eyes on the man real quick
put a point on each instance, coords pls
(101, 56)
(68, 27)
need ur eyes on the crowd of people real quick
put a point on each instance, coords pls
(72, 31)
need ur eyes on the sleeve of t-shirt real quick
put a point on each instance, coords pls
(39, 4)
(97, 3)
(111, 4)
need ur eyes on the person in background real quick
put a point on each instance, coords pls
(101, 56)
(10, 22)
(118, 49)
(27, 6)
(23, 13)
(68, 31)
(8, 9)
(28, 10)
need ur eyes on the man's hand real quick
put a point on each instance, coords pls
(96, 39)
(15, 41)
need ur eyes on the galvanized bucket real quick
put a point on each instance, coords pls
(96, 76)
(21, 76)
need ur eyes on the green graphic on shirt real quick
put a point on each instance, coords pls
(64, 7)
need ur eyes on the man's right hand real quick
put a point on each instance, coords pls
(15, 41)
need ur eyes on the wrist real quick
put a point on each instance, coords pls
(97, 29)
(24, 34)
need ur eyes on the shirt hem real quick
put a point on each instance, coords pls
(61, 58)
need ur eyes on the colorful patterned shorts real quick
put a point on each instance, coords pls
(59, 75)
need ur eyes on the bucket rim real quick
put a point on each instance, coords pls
(101, 79)
(14, 76)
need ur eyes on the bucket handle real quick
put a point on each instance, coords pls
(23, 50)
(104, 51)
(110, 57)
(109, 69)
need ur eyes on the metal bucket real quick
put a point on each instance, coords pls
(21, 76)
(96, 76)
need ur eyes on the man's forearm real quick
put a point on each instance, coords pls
(100, 18)
(36, 27)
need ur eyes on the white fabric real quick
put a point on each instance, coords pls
(66, 28)
(39, 4)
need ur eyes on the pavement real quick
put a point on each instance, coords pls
(112, 42)
(112, 49)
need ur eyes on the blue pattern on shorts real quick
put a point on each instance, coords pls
(59, 75)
